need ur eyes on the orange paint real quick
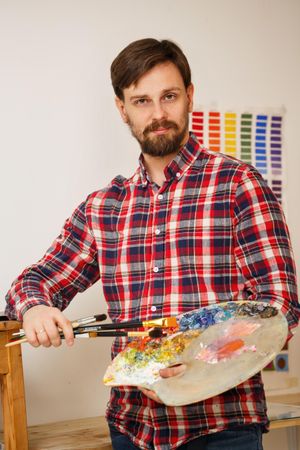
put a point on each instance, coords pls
(229, 348)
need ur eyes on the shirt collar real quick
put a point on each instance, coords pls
(179, 165)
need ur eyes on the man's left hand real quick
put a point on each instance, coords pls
(164, 373)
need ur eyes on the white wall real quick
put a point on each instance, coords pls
(61, 137)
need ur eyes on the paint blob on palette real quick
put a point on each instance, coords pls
(224, 343)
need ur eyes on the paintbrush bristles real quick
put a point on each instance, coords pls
(100, 317)
(86, 320)
(155, 333)
(164, 322)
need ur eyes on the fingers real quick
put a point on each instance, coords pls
(42, 337)
(32, 337)
(150, 394)
(164, 373)
(50, 335)
(67, 329)
(172, 371)
(42, 325)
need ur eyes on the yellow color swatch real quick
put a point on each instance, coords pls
(230, 133)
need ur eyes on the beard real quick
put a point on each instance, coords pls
(161, 145)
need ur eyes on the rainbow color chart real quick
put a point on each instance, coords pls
(255, 138)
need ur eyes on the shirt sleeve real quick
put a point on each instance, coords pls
(69, 266)
(262, 247)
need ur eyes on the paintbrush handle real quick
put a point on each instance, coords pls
(18, 342)
(164, 322)
(75, 323)
(106, 326)
(119, 325)
(155, 333)
(24, 339)
(110, 327)
(119, 334)
(91, 334)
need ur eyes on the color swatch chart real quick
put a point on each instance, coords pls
(255, 138)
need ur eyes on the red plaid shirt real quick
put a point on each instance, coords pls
(213, 232)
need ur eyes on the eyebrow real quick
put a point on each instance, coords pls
(134, 97)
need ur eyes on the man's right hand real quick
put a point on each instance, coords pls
(42, 323)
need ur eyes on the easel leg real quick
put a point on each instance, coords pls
(13, 402)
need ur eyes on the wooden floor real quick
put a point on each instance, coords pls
(92, 433)
(81, 434)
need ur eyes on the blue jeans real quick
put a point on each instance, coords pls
(248, 437)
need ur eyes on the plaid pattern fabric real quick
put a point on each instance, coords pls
(213, 232)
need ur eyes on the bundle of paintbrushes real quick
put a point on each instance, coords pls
(82, 328)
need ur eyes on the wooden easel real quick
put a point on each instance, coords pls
(12, 390)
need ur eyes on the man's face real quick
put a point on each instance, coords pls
(156, 109)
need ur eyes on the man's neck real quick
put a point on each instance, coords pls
(155, 167)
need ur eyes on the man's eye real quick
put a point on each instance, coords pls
(170, 97)
(141, 101)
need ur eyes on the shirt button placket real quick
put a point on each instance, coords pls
(157, 232)
(158, 248)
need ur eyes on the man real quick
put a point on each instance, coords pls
(190, 228)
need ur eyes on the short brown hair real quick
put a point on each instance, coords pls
(140, 56)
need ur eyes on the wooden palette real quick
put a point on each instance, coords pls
(221, 345)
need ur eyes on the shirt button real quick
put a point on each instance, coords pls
(153, 308)
(178, 174)
(157, 231)
(160, 196)
(155, 269)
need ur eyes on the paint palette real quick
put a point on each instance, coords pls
(221, 345)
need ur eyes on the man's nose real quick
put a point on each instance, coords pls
(158, 112)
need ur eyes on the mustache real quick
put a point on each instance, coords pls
(157, 124)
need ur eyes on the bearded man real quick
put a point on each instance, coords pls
(189, 229)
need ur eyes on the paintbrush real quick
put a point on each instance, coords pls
(154, 333)
(75, 323)
(162, 322)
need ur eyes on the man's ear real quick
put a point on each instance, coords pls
(190, 96)
(121, 107)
